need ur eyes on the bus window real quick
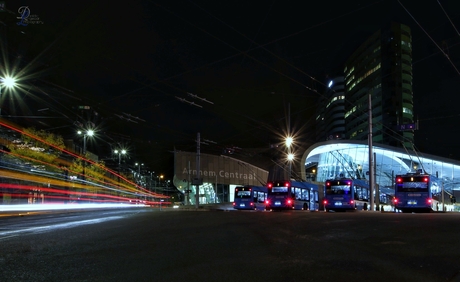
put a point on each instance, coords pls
(297, 192)
(243, 194)
(338, 190)
(305, 194)
(412, 184)
(279, 190)
(261, 197)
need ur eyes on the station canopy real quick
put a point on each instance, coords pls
(347, 158)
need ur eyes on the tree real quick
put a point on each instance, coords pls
(39, 145)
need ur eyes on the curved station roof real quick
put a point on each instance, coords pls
(347, 158)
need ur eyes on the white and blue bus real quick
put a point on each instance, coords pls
(250, 197)
(346, 194)
(292, 195)
(415, 192)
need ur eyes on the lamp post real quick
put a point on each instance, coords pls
(160, 177)
(8, 82)
(290, 156)
(119, 153)
(139, 169)
(88, 132)
(151, 180)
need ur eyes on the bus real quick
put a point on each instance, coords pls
(346, 194)
(250, 197)
(292, 195)
(416, 192)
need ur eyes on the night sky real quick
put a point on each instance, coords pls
(259, 64)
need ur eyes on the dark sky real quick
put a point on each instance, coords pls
(251, 60)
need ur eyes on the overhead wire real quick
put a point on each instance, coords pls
(240, 52)
(401, 138)
(262, 46)
(250, 49)
(434, 42)
(442, 8)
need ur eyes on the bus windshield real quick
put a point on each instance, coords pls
(338, 189)
(279, 190)
(243, 194)
(412, 184)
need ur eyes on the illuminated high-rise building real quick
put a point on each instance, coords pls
(330, 122)
(382, 68)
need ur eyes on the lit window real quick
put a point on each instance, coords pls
(407, 111)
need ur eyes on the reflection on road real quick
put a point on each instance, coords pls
(47, 228)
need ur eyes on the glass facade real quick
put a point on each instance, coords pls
(347, 158)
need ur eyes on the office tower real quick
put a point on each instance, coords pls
(381, 67)
(330, 122)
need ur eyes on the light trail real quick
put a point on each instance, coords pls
(46, 228)
(45, 207)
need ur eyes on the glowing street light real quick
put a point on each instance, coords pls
(139, 172)
(89, 133)
(289, 140)
(8, 82)
(138, 168)
(290, 156)
(119, 153)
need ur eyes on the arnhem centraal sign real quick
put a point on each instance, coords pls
(220, 169)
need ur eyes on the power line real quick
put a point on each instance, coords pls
(448, 18)
(434, 42)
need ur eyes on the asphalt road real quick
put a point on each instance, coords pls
(144, 244)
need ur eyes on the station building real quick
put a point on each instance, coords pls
(219, 175)
(216, 178)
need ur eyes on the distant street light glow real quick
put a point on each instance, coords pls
(9, 81)
(289, 141)
(88, 133)
(119, 153)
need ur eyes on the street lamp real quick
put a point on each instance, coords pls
(289, 140)
(290, 158)
(88, 132)
(119, 153)
(8, 82)
(139, 170)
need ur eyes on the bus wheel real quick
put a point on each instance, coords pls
(305, 207)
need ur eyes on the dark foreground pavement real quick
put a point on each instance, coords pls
(216, 245)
